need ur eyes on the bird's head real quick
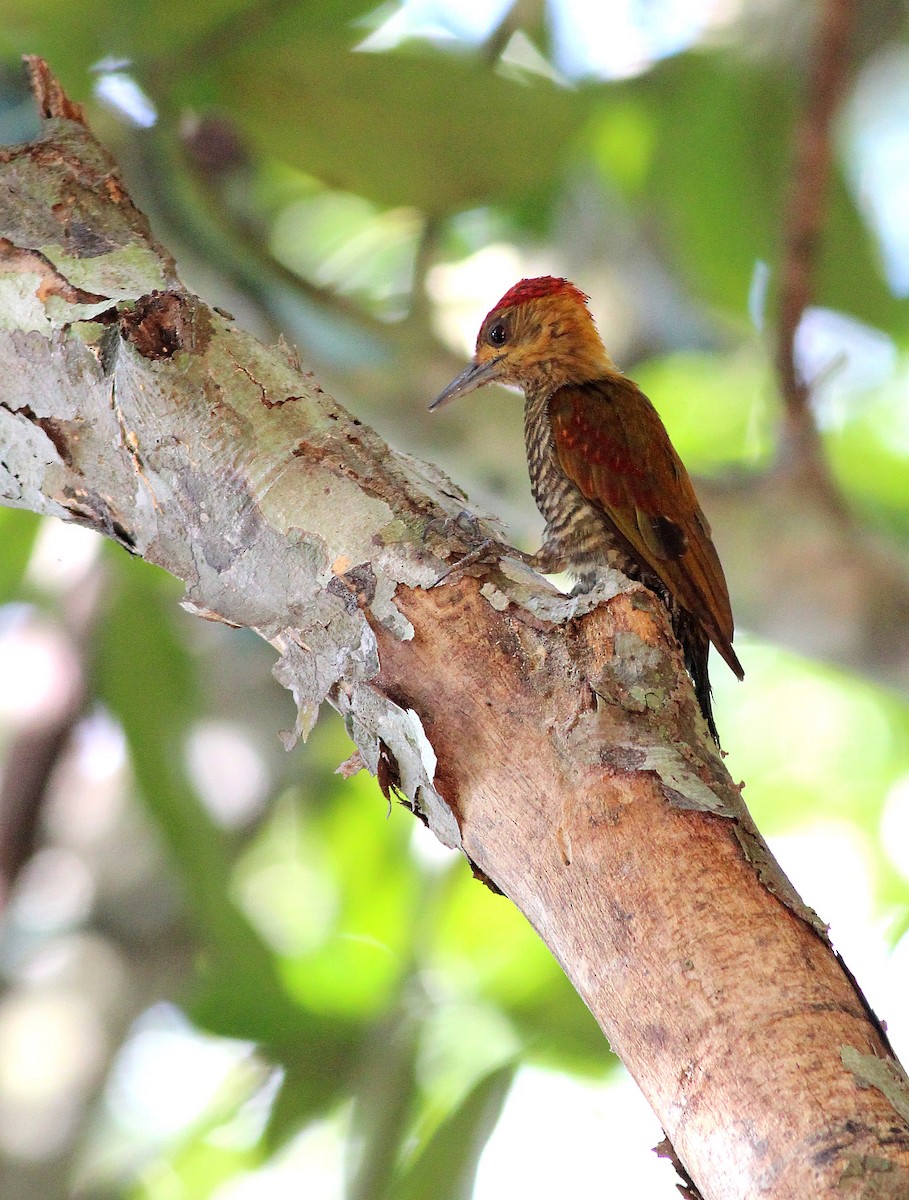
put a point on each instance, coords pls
(539, 335)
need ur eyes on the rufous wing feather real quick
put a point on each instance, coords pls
(611, 443)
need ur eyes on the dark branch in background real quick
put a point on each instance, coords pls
(419, 316)
(519, 15)
(35, 752)
(828, 73)
(29, 764)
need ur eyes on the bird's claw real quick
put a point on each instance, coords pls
(465, 527)
(478, 554)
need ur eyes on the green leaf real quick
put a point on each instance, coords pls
(73, 35)
(719, 180)
(384, 125)
(143, 674)
(717, 174)
(18, 531)
(317, 1071)
(446, 1166)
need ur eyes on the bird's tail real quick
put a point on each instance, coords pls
(696, 648)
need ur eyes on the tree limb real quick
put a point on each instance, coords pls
(813, 154)
(555, 741)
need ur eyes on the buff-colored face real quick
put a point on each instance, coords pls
(545, 340)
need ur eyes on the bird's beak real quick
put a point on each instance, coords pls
(473, 376)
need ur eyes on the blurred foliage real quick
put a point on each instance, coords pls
(303, 985)
(17, 536)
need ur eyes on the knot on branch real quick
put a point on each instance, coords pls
(160, 324)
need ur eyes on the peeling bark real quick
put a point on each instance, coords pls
(555, 740)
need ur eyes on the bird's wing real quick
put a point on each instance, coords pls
(612, 444)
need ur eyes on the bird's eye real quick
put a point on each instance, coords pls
(498, 334)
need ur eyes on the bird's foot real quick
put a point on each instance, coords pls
(548, 560)
(492, 551)
(486, 550)
(464, 527)
(489, 550)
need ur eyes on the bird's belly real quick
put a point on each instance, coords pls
(583, 534)
(590, 542)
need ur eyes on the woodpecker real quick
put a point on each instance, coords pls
(604, 474)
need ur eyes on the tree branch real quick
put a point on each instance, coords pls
(555, 741)
(812, 158)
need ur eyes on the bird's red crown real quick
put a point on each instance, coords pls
(534, 289)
